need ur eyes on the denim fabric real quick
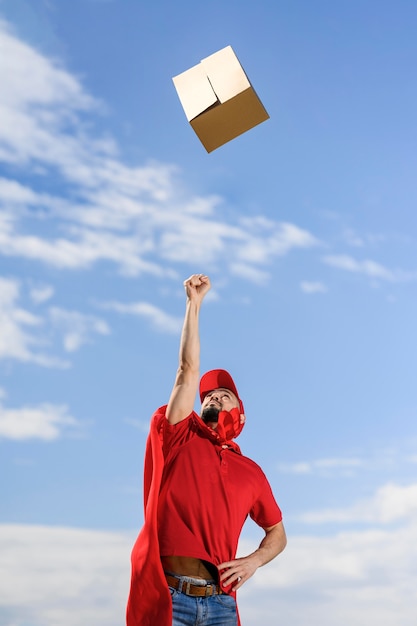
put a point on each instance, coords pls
(216, 610)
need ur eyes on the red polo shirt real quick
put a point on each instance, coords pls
(206, 494)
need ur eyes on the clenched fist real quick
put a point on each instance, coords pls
(197, 286)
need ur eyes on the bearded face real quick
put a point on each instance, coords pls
(210, 414)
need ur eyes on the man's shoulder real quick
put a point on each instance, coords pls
(251, 464)
(159, 417)
(172, 435)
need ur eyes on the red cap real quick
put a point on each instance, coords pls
(217, 379)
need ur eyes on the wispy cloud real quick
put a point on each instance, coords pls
(352, 238)
(139, 218)
(141, 425)
(248, 272)
(311, 287)
(74, 576)
(46, 422)
(368, 268)
(323, 466)
(77, 327)
(18, 340)
(160, 320)
(393, 460)
(26, 337)
(41, 293)
(266, 239)
(391, 503)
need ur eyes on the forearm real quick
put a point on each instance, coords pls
(189, 354)
(237, 572)
(271, 545)
(182, 398)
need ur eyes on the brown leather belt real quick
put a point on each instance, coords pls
(190, 589)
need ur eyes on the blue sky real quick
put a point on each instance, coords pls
(307, 228)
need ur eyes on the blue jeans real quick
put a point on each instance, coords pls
(215, 610)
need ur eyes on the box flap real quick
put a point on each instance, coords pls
(194, 91)
(225, 74)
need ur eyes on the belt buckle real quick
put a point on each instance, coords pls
(187, 588)
(210, 587)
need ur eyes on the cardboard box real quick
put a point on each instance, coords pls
(218, 99)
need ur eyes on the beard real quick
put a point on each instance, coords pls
(210, 414)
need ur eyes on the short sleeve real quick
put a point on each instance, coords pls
(265, 511)
(176, 435)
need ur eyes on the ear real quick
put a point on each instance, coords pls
(242, 418)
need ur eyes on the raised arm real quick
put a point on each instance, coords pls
(181, 402)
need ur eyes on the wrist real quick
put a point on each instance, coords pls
(257, 557)
(194, 303)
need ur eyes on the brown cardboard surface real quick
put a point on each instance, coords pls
(218, 99)
(224, 122)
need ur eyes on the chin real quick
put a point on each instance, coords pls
(210, 416)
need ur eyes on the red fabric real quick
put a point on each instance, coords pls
(229, 426)
(170, 484)
(218, 379)
(149, 602)
(206, 495)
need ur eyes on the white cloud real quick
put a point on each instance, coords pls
(352, 238)
(160, 320)
(327, 466)
(265, 239)
(391, 502)
(86, 248)
(77, 327)
(37, 106)
(13, 194)
(302, 467)
(33, 79)
(338, 462)
(369, 268)
(141, 425)
(253, 274)
(387, 460)
(41, 293)
(311, 287)
(46, 422)
(51, 576)
(16, 342)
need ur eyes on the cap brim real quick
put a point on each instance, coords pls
(218, 379)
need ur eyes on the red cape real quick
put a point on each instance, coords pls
(149, 600)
